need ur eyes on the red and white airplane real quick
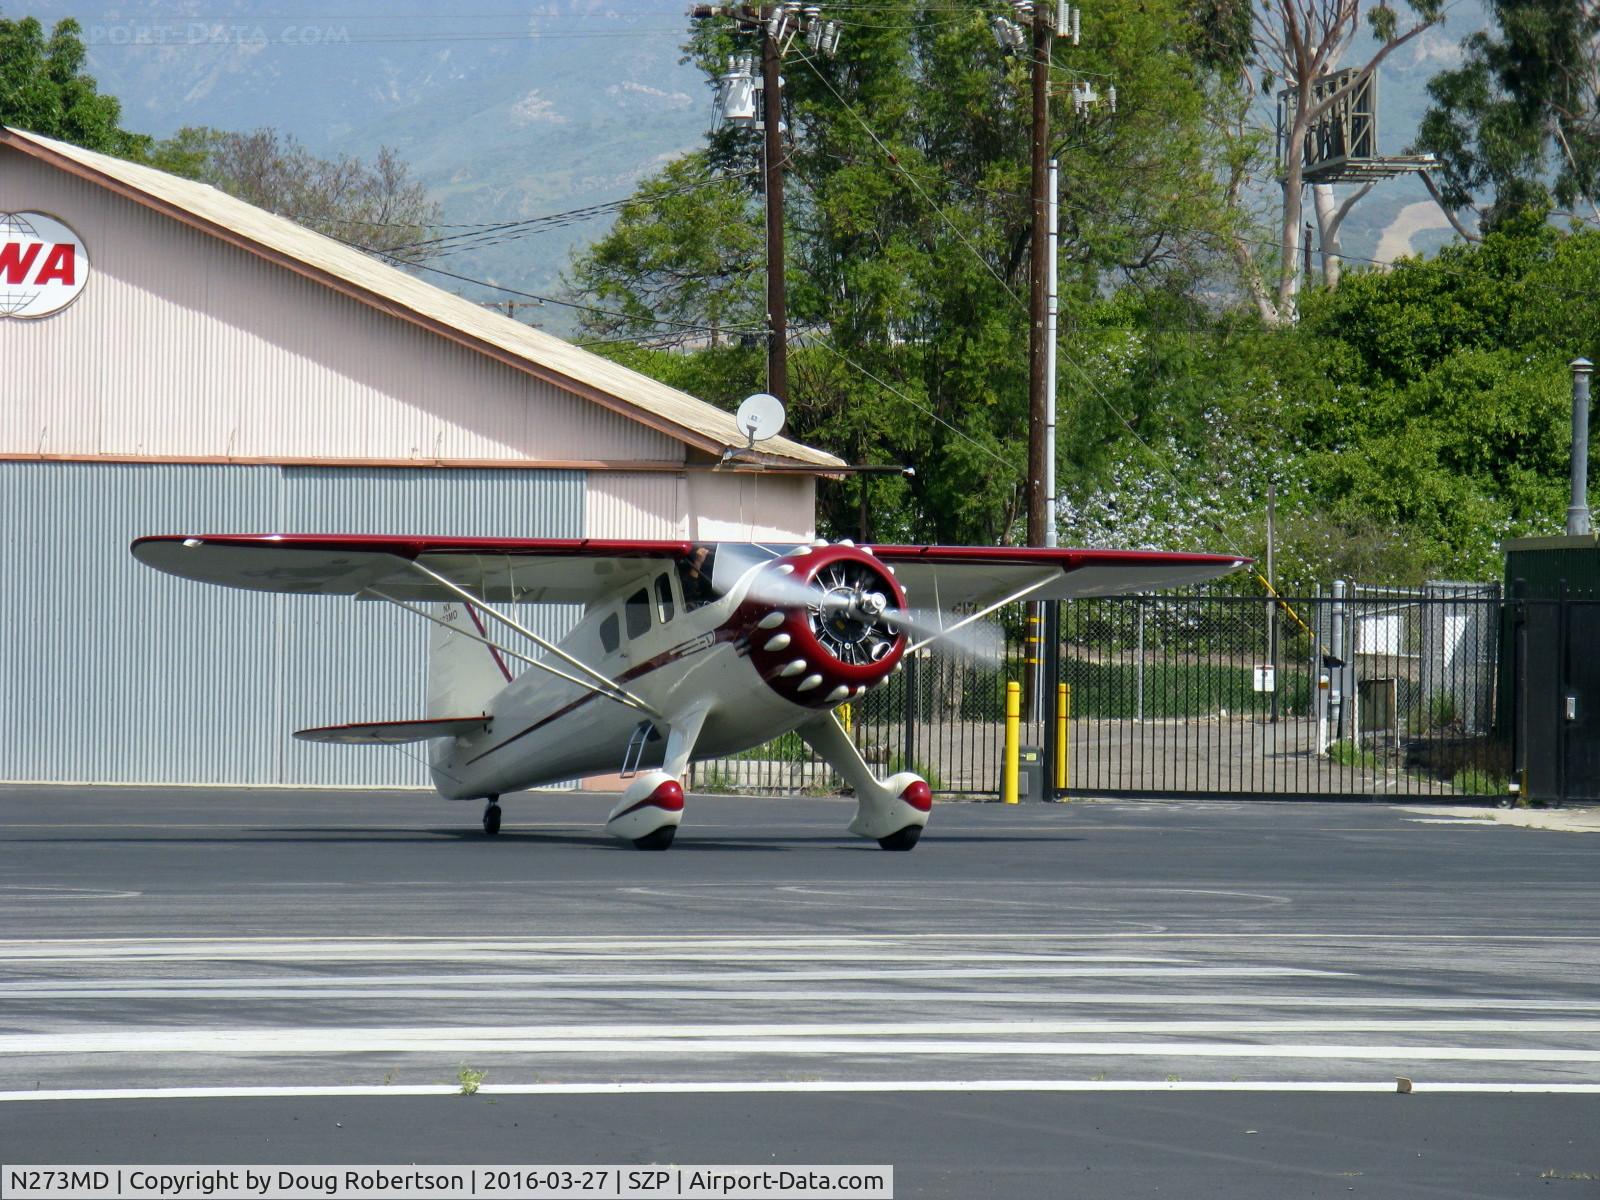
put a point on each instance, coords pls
(684, 652)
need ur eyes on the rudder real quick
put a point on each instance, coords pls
(463, 674)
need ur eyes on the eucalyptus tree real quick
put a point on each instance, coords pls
(1516, 125)
(1298, 42)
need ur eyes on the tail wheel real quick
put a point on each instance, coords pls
(491, 820)
(902, 839)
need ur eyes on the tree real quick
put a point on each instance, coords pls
(908, 226)
(682, 262)
(43, 89)
(1517, 125)
(376, 206)
(1299, 41)
(1411, 421)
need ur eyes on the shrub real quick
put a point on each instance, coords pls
(1348, 754)
(1475, 781)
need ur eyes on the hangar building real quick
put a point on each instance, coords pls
(178, 361)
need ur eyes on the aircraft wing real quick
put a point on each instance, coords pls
(946, 576)
(392, 733)
(526, 570)
(579, 570)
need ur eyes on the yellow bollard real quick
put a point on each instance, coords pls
(1008, 782)
(1063, 711)
(843, 713)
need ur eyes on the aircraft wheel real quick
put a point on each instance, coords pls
(902, 839)
(491, 820)
(659, 839)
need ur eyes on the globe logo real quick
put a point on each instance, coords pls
(43, 265)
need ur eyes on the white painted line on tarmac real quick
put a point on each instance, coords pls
(168, 1039)
(1105, 971)
(526, 988)
(756, 1087)
(756, 957)
(499, 1041)
(175, 946)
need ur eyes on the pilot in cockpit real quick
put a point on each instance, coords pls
(694, 575)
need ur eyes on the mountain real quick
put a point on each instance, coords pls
(514, 114)
(502, 114)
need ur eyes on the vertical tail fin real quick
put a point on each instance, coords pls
(463, 674)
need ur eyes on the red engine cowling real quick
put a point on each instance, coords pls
(824, 645)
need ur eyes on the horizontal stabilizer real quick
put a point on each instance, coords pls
(393, 733)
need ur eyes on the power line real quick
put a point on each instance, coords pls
(153, 35)
(550, 299)
(962, 434)
(911, 179)
(506, 231)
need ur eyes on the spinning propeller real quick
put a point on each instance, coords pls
(852, 616)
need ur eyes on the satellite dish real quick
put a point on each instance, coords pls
(761, 417)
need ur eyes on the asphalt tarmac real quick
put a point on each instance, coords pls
(1092, 999)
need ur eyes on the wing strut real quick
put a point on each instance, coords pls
(982, 612)
(607, 687)
(494, 645)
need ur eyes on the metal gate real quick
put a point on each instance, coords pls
(1370, 694)
(1377, 692)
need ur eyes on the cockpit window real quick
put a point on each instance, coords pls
(610, 634)
(694, 574)
(663, 598)
(636, 613)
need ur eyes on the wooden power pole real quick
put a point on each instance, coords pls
(777, 305)
(1040, 513)
(1040, 266)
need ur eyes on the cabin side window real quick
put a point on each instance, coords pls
(663, 598)
(694, 576)
(610, 634)
(636, 613)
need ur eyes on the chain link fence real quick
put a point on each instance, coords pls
(1373, 692)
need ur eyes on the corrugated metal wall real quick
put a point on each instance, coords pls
(113, 673)
(636, 504)
(184, 346)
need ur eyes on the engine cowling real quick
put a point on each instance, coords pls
(830, 642)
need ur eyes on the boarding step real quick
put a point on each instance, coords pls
(643, 734)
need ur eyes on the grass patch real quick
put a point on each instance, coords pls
(715, 782)
(1347, 754)
(469, 1080)
(786, 747)
(1475, 781)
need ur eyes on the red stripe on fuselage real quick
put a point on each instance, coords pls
(723, 633)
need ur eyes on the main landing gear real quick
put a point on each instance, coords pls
(491, 817)
(890, 811)
(649, 812)
(659, 840)
(902, 839)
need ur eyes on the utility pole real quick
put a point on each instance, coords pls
(778, 26)
(777, 305)
(1039, 143)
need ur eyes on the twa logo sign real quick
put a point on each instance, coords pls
(43, 265)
